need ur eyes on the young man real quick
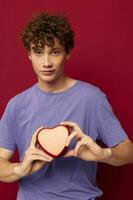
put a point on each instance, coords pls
(56, 99)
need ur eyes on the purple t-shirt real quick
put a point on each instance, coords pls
(64, 178)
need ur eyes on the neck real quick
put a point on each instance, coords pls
(58, 86)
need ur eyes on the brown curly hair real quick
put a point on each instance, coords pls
(42, 30)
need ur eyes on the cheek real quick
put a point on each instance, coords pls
(60, 63)
(35, 65)
(35, 68)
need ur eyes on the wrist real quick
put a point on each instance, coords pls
(17, 171)
(107, 154)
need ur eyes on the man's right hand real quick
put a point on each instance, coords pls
(33, 160)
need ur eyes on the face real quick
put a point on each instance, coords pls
(48, 63)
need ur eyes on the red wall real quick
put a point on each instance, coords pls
(102, 56)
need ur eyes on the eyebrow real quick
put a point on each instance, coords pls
(41, 49)
(57, 48)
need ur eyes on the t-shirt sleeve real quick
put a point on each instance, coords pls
(110, 130)
(7, 130)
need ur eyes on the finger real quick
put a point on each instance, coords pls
(72, 124)
(36, 151)
(40, 158)
(33, 139)
(78, 146)
(41, 153)
(72, 136)
(69, 153)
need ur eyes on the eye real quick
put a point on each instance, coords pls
(55, 52)
(39, 53)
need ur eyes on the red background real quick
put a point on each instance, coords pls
(102, 56)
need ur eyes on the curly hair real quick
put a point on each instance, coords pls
(42, 30)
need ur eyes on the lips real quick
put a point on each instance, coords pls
(47, 72)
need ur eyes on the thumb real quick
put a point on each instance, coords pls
(69, 153)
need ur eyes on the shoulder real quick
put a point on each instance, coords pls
(23, 97)
(90, 91)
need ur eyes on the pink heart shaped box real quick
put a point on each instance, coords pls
(53, 140)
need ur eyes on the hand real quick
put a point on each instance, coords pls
(34, 158)
(86, 148)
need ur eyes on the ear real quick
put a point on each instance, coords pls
(29, 56)
(68, 55)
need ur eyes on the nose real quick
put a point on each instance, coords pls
(46, 62)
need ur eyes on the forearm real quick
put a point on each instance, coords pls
(120, 155)
(11, 172)
(7, 172)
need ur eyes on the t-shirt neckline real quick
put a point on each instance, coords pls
(37, 88)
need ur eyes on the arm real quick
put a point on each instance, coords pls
(89, 150)
(121, 154)
(6, 167)
(33, 160)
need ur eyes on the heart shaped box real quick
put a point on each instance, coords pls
(53, 140)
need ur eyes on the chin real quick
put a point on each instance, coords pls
(49, 80)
